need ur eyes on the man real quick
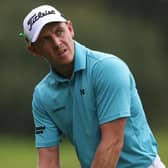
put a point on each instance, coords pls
(88, 96)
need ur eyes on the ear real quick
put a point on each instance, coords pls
(33, 50)
(70, 27)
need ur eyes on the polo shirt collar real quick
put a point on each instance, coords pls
(79, 64)
(80, 57)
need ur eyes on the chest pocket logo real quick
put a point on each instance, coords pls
(82, 92)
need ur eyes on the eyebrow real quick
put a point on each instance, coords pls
(55, 27)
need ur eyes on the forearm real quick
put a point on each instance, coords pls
(47, 163)
(48, 158)
(107, 155)
(112, 139)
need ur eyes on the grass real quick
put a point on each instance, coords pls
(20, 152)
(162, 139)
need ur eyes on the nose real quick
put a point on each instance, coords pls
(56, 41)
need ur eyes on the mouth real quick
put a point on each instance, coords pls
(62, 53)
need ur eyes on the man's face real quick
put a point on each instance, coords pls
(56, 44)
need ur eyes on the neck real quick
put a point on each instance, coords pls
(64, 70)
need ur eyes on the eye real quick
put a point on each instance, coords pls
(59, 32)
(43, 40)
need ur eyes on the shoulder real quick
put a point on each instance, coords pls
(42, 82)
(109, 70)
(42, 87)
(106, 63)
(101, 59)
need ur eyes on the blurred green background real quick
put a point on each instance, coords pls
(134, 30)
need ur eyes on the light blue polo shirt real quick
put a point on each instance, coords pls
(101, 89)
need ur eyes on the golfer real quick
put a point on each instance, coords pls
(89, 97)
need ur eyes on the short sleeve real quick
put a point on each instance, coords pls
(112, 89)
(46, 132)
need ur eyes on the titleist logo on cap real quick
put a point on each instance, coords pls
(37, 16)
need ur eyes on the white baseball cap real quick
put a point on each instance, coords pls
(37, 18)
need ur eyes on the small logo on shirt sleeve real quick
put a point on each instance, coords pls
(39, 130)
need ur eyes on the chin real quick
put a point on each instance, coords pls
(66, 62)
